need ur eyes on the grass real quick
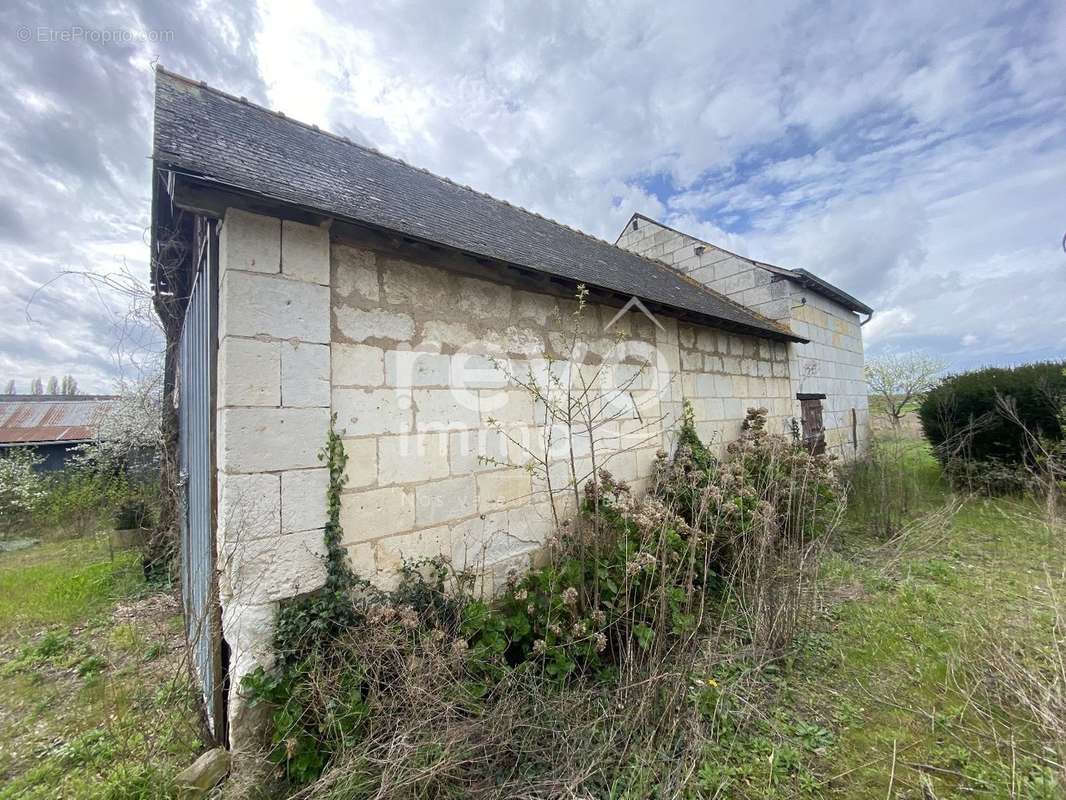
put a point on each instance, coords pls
(95, 702)
(891, 694)
(60, 583)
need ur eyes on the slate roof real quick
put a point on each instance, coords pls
(43, 419)
(207, 133)
(823, 287)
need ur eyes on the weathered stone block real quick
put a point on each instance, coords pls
(271, 439)
(270, 305)
(445, 409)
(303, 499)
(249, 372)
(305, 252)
(466, 449)
(357, 365)
(405, 368)
(501, 488)
(441, 333)
(499, 537)
(361, 469)
(360, 325)
(484, 299)
(409, 284)
(377, 512)
(691, 360)
(364, 412)
(249, 242)
(264, 570)
(249, 506)
(355, 273)
(540, 308)
(443, 501)
(474, 371)
(249, 632)
(197, 780)
(412, 459)
(305, 374)
(506, 407)
(391, 552)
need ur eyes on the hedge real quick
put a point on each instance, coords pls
(1036, 389)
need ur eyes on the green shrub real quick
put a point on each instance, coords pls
(624, 589)
(78, 500)
(767, 488)
(133, 513)
(962, 419)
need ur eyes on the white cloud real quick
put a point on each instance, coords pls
(914, 153)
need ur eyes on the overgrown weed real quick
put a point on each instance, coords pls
(593, 674)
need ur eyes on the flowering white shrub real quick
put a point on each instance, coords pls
(21, 489)
(128, 433)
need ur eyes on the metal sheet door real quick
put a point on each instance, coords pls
(196, 460)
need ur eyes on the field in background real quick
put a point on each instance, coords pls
(94, 698)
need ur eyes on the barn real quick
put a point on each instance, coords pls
(50, 425)
(323, 282)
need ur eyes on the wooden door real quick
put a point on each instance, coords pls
(811, 418)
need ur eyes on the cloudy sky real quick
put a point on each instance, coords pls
(913, 153)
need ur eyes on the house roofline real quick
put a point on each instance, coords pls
(176, 171)
(801, 276)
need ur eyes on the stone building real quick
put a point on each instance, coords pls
(827, 369)
(443, 330)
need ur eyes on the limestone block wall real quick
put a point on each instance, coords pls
(723, 375)
(831, 364)
(427, 362)
(422, 356)
(273, 407)
(728, 274)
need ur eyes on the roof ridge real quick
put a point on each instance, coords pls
(606, 264)
(689, 279)
(348, 141)
(700, 285)
(796, 273)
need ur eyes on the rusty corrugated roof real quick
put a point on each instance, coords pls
(39, 419)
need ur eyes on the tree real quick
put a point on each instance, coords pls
(127, 433)
(69, 386)
(10, 389)
(900, 378)
(36, 386)
(53, 385)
